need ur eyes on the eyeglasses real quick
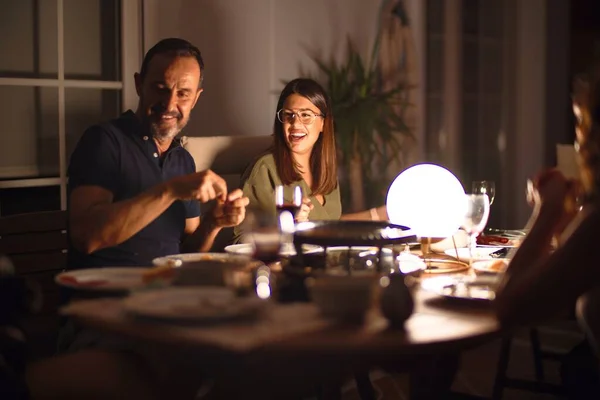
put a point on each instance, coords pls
(306, 117)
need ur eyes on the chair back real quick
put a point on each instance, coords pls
(37, 244)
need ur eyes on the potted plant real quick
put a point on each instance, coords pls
(370, 127)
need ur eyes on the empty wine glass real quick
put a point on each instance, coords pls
(485, 187)
(476, 216)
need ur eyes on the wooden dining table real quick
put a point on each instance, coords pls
(291, 341)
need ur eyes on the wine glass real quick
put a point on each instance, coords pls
(288, 198)
(265, 235)
(476, 216)
(485, 187)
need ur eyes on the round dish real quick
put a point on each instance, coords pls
(176, 260)
(106, 279)
(352, 233)
(192, 304)
(496, 266)
(479, 253)
(247, 249)
(480, 289)
(204, 269)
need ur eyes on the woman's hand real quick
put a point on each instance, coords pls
(305, 210)
(557, 197)
(549, 189)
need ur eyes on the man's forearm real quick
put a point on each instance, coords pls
(203, 237)
(109, 224)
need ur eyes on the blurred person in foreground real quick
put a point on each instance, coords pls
(540, 284)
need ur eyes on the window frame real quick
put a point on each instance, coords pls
(130, 26)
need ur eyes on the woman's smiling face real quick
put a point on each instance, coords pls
(300, 137)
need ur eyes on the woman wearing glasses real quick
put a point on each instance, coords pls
(303, 154)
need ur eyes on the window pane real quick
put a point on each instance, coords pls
(492, 18)
(28, 29)
(92, 37)
(434, 129)
(492, 67)
(435, 16)
(470, 16)
(491, 125)
(86, 107)
(29, 140)
(470, 65)
(471, 140)
(435, 65)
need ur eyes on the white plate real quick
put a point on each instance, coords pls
(495, 266)
(192, 304)
(287, 250)
(173, 259)
(478, 289)
(479, 253)
(369, 249)
(103, 279)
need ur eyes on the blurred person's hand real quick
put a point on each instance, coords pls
(556, 196)
(203, 186)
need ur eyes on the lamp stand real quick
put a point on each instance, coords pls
(439, 263)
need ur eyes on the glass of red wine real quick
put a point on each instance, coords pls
(266, 236)
(288, 198)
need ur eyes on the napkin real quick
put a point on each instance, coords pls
(566, 160)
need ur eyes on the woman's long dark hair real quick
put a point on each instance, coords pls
(323, 164)
(586, 96)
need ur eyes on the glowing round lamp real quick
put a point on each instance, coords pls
(427, 198)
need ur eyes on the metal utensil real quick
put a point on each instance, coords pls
(501, 253)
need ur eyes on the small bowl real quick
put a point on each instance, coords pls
(343, 298)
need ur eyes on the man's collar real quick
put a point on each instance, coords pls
(134, 123)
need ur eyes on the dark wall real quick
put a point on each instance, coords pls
(585, 34)
(569, 53)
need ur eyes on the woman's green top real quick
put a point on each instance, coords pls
(258, 184)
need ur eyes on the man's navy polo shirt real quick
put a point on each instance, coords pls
(119, 157)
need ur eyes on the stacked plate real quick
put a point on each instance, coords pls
(287, 250)
(109, 279)
(479, 253)
(193, 305)
(480, 289)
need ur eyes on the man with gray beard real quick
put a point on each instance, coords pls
(133, 191)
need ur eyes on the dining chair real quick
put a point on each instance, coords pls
(539, 385)
(36, 244)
